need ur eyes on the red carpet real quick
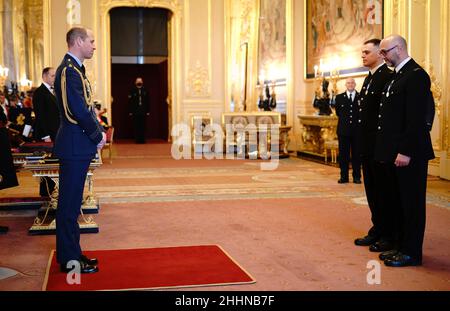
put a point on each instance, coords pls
(153, 268)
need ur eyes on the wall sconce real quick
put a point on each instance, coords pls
(3, 75)
(25, 84)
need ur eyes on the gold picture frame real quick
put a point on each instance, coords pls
(335, 32)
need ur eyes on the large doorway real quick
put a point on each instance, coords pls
(139, 48)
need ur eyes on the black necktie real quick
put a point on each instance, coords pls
(351, 97)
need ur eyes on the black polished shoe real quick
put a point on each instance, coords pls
(402, 260)
(89, 261)
(366, 241)
(356, 180)
(342, 181)
(84, 268)
(381, 246)
(388, 254)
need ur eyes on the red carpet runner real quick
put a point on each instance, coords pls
(153, 268)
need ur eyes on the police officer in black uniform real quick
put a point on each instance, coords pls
(403, 143)
(348, 113)
(138, 104)
(376, 178)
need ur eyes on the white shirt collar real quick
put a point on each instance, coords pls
(372, 71)
(76, 59)
(352, 93)
(48, 86)
(400, 66)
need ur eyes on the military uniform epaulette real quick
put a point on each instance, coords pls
(87, 91)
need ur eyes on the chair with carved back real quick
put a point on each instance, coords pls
(109, 142)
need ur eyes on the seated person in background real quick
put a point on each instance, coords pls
(100, 118)
(8, 176)
(19, 116)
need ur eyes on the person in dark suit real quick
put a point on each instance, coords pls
(348, 114)
(8, 177)
(138, 104)
(45, 108)
(379, 237)
(78, 139)
(403, 143)
(46, 123)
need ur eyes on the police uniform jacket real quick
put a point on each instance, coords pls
(79, 132)
(348, 114)
(369, 104)
(402, 126)
(138, 101)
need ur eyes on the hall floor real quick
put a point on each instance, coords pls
(291, 228)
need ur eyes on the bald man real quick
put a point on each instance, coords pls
(348, 113)
(403, 145)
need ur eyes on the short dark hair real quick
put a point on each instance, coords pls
(46, 70)
(74, 33)
(374, 41)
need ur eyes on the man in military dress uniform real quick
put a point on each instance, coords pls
(347, 111)
(78, 139)
(376, 178)
(403, 143)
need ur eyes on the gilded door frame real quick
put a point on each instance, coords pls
(174, 63)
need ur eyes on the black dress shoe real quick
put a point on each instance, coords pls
(357, 180)
(388, 254)
(342, 181)
(3, 230)
(366, 241)
(84, 268)
(402, 260)
(381, 246)
(89, 261)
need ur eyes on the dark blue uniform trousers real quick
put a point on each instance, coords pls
(72, 177)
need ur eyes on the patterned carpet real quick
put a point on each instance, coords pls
(291, 229)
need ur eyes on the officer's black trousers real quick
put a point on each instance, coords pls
(412, 186)
(347, 145)
(139, 127)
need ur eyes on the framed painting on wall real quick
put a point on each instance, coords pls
(272, 48)
(335, 32)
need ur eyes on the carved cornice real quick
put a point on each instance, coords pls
(198, 82)
(173, 5)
